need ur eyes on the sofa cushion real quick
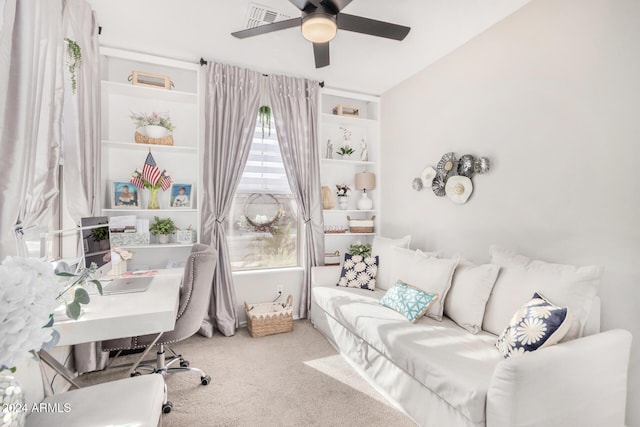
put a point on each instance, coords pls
(537, 324)
(443, 357)
(424, 271)
(407, 300)
(382, 247)
(359, 272)
(520, 277)
(470, 289)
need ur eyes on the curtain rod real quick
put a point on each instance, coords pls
(204, 62)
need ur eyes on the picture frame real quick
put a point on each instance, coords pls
(181, 196)
(125, 195)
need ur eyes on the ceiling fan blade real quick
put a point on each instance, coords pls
(269, 28)
(336, 5)
(372, 27)
(321, 54)
(305, 5)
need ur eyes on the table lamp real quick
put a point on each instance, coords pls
(365, 181)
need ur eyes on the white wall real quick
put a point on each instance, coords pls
(552, 96)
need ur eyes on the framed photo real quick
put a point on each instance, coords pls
(181, 196)
(125, 195)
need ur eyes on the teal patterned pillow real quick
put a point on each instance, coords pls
(407, 300)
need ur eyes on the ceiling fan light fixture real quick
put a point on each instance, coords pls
(319, 29)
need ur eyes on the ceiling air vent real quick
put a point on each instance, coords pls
(258, 14)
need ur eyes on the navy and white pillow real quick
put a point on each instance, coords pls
(359, 272)
(537, 324)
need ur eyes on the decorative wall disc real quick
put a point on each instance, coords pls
(417, 184)
(427, 176)
(466, 165)
(448, 164)
(438, 185)
(482, 165)
(459, 188)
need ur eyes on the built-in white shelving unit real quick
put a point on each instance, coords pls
(339, 170)
(121, 155)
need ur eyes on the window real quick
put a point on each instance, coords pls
(262, 226)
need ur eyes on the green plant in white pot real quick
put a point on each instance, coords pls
(154, 125)
(163, 228)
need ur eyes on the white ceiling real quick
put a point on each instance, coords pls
(190, 29)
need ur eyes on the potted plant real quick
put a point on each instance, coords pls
(154, 125)
(346, 151)
(360, 249)
(163, 228)
(101, 235)
(341, 192)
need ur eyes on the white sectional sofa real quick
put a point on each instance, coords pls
(442, 374)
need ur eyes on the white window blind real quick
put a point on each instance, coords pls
(264, 171)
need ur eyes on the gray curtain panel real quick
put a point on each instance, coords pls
(81, 141)
(231, 108)
(30, 116)
(294, 102)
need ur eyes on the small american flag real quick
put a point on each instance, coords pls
(165, 180)
(135, 179)
(150, 171)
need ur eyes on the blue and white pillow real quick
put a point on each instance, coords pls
(407, 300)
(537, 324)
(359, 272)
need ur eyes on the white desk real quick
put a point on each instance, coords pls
(122, 315)
(126, 315)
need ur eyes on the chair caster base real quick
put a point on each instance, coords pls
(166, 407)
(205, 380)
(135, 374)
(184, 363)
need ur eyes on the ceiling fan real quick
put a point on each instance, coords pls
(320, 21)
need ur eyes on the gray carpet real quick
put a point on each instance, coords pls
(292, 379)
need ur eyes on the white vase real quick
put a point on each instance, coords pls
(163, 238)
(13, 401)
(119, 268)
(343, 202)
(154, 131)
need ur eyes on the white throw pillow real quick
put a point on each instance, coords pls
(425, 271)
(565, 285)
(470, 290)
(382, 247)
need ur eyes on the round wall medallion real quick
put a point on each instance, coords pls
(447, 164)
(427, 176)
(438, 185)
(466, 165)
(417, 184)
(459, 188)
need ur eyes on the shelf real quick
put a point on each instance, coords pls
(159, 246)
(350, 234)
(146, 147)
(348, 120)
(346, 162)
(132, 210)
(348, 211)
(127, 89)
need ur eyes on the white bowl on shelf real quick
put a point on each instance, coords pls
(154, 131)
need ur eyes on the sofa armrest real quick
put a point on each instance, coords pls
(325, 276)
(579, 382)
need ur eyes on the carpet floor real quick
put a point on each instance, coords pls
(292, 379)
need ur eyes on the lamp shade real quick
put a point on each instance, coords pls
(365, 181)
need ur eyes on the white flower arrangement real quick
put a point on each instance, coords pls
(29, 291)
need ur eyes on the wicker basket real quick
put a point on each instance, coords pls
(142, 139)
(269, 318)
(361, 225)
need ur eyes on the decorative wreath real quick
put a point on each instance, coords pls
(269, 221)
